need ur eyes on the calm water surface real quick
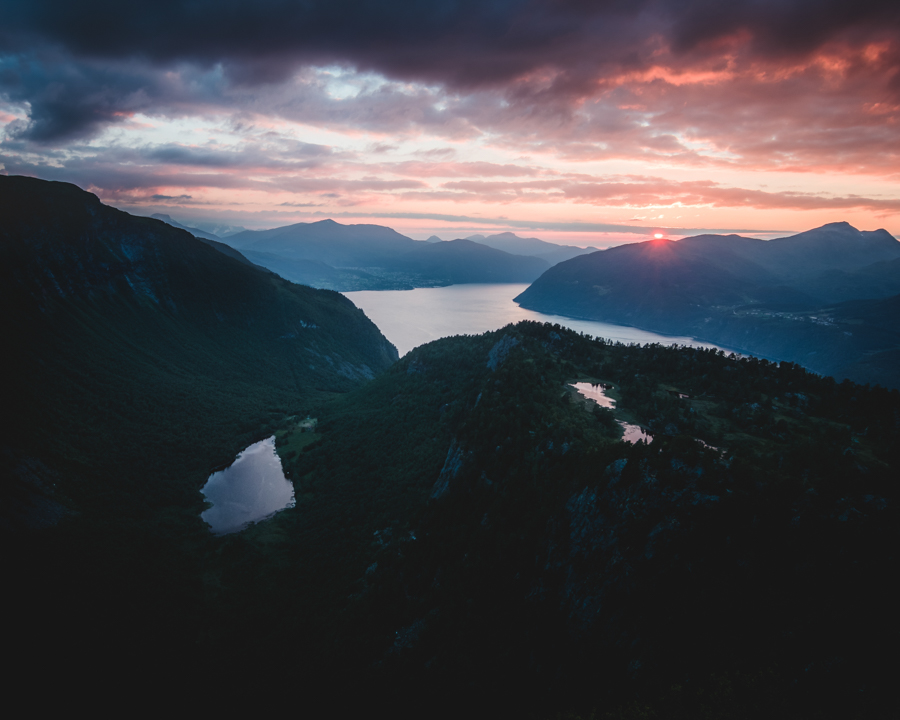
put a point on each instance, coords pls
(251, 489)
(409, 318)
(595, 393)
(632, 433)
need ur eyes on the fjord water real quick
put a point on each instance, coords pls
(409, 318)
(251, 489)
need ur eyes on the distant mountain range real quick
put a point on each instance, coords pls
(327, 254)
(512, 243)
(374, 257)
(208, 238)
(196, 232)
(779, 298)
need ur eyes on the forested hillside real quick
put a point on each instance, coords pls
(499, 544)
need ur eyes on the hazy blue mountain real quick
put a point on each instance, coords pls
(373, 257)
(877, 280)
(196, 232)
(464, 261)
(835, 246)
(329, 242)
(512, 243)
(651, 283)
(208, 238)
(433, 239)
(748, 294)
(319, 275)
(219, 229)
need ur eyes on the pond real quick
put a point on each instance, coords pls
(251, 489)
(632, 433)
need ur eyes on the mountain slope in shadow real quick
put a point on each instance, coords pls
(774, 299)
(130, 334)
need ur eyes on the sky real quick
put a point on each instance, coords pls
(583, 122)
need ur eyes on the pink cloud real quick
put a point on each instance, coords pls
(460, 169)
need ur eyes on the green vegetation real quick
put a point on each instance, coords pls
(294, 439)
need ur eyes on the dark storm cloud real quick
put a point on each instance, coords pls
(80, 66)
(246, 157)
(485, 39)
(780, 28)
(71, 100)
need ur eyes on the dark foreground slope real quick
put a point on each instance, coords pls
(493, 548)
(137, 358)
(113, 313)
(778, 299)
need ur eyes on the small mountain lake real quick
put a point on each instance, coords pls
(632, 433)
(251, 489)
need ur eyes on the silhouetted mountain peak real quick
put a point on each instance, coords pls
(840, 225)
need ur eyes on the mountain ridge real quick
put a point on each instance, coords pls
(375, 257)
(754, 295)
(509, 242)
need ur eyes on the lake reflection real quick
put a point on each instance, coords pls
(631, 433)
(251, 489)
(595, 393)
(409, 318)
